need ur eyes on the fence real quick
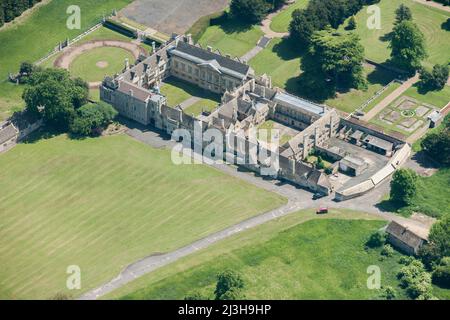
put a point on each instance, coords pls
(62, 45)
(377, 94)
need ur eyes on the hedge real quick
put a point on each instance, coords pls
(118, 27)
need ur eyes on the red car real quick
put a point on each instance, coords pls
(322, 210)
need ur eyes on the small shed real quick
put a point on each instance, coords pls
(353, 165)
(379, 145)
(406, 239)
(435, 118)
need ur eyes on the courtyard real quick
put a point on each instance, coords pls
(192, 100)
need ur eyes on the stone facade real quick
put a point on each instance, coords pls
(248, 101)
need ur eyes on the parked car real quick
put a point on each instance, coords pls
(322, 210)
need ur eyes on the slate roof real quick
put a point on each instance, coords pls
(300, 103)
(224, 63)
(380, 143)
(404, 234)
(139, 93)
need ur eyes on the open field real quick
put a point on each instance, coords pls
(38, 35)
(280, 23)
(102, 204)
(231, 37)
(178, 91)
(290, 258)
(428, 19)
(95, 64)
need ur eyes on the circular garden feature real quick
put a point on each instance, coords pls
(95, 64)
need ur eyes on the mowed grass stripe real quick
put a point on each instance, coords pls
(102, 204)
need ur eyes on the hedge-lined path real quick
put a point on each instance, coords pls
(70, 54)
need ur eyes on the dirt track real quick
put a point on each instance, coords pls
(70, 54)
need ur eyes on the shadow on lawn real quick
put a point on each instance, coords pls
(230, 25)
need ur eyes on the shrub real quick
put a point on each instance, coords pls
(389, 293)
(387, 250)
(376, 240)
(117, 26)
(441, 276)
(195, 296)
(416, 280)
(228, 281)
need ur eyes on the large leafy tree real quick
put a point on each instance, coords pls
(437, 144)
(408, 46)
(404, 186)
(251, 11)
(52, 94)
(92, 118)
(436, 79)
(337, 57)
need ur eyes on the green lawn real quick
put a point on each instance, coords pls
(290, 258)
(432, 194)
(202, 105)
(38, 35)
(102, 204)
(394, 86)
(280, 60)
(436, 98)
(280, 23)
(427, 18)
(349, 101)
(178, 91)
(88, 65)
(231, 37)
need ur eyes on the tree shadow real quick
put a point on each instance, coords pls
(389, 206)
(231, 25)
(386, 37)
(381, 76)
(43, 133)
(446, 25)
(288, 49)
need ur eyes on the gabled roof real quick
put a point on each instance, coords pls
(7, 133)
(405, 235)
(202, 56)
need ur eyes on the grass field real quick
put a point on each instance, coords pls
(280, 60)
(38, 35)
(349, 101)
(428, 19)
(432, 194)
(290, 258)
(102, 204)
(178, 91)
(87, 65)
(231, 37)
(280, 23)
(436, 98)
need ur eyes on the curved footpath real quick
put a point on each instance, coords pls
(299, 199)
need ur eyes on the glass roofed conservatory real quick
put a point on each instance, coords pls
(296, 102)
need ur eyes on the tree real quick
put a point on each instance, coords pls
(389, 293)
(440, 236)
(441, 276)
(408, 46)
(403, 186)
(92, 118)
(437, 144)
(228, 281)
(336, 58)
(403, 13)
(233, 294)
(416, 280)
(252, 11)
(351, 23)
(434, 80)
(52, 94)
(376, 240)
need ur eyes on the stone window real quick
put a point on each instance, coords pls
(176, 64)
(183, 67)
(189, 69)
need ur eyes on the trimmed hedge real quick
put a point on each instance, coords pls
(200, 26)
(118, 27)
